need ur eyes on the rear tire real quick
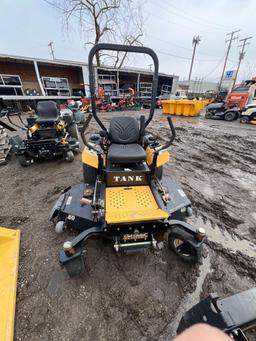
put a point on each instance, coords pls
(89, 174)
(230, 116)
(244, 119)
(182, 248)
(23, 161)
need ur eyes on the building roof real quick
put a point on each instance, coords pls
(80, 64)
(42, 60)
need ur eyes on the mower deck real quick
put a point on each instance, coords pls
(123, 205)
(134, 203)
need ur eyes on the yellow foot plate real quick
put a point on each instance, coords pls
(131, 204)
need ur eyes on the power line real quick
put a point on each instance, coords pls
(200, 18)
(185, 58)
(166, 9)
(216, 66)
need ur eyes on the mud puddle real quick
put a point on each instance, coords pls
(221, 236)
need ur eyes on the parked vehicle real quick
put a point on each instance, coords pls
(242, 94)
(222, 111)
(48, 134)
(248, 114)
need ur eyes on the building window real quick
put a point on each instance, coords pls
(55, 86)
(10, 85)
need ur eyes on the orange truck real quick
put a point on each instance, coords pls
(242, 95)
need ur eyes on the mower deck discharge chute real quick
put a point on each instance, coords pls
(124, 196)
(9, 262)
(49, 134)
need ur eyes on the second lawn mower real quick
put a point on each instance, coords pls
(124, 196)
(49, 134)
(221, 111)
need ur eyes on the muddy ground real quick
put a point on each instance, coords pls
(141, 296)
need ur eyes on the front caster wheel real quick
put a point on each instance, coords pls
(208, 115)
(24, 161)
(185, 250)
(75, 267)
(70, 156)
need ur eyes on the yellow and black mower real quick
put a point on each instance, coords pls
(124, 196)
(49, 134)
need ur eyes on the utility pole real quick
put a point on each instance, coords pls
(241, 57)
(51, 49)
(195, 41)
(229, 41)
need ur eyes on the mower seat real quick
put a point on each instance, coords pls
(124, 135)
(47, 112)
(126, 153)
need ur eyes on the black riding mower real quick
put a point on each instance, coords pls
(124, 196)
(222, 111)
(49, 134)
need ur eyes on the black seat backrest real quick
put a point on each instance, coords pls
(47, 110)
(124, 130)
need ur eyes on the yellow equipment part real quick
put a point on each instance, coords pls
(60, 126)
(131, 204)
(9, 262)
(64, 139)
(90, 158)
(162, 158)
(34, 128)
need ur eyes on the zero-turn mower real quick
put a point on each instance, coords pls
(124, 196)
(49, 134)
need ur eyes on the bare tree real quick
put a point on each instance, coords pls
(116, 21)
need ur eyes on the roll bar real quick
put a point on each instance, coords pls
(122, 48)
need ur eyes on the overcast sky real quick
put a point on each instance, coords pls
(27, 26)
